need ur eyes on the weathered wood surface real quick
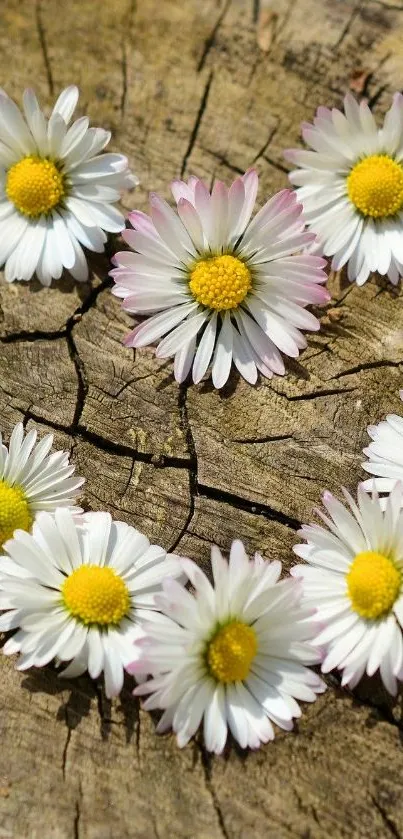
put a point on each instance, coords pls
(206, 87)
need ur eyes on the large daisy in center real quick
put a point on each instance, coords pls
(219, 287)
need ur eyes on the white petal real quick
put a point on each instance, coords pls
(184, 360)
(66, 103)
(205, 349)
(223, 353)
(181, 335)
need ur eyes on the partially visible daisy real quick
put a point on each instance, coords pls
(33, 478)
(354, 579)
(56, 190)
(77, 589)
(351, 186)
(234, 654)
(385, 454)
(224, 289)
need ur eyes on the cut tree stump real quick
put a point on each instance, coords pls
(210, 88)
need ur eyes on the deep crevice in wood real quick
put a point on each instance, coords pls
(209, 42)
(197, 123)
(43, 44)
(249, 506)
(206, 761)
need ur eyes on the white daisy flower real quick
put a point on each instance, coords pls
(77, 589)
(56, 190)
(233, 654)
(351, 185)
(354, 579)
(385, 454)
(225, 289)
(33, 478)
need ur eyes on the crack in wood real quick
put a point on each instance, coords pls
(254, 507)
(346, 29)
(65, 750)
(224, 161)
(306, 808)
(195, 488)
(127, 22)
(193, 463)
(77, 816)
(372, 101)
(79, 431)
(42, 41)
(388, 822)
(197, 123)
(206, 761)
(82, 383)
(104, 707)
(65, 330)
(128, 384)
(67, 333)
(285, 19)
(369, 365)
(271, 136)
(276, 164)
(30, 337)
(269, 439)
(388, 6)
(318, 394)
(209, 42)
(89, 302)
(128, 482)
(124, 80)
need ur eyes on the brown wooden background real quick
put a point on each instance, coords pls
(207, 87)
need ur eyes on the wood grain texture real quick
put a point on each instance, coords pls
(186, 88)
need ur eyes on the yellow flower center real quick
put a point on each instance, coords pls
(35, 186)
(373, 584)
(96, 595)
(14, 511)
(231, 651)
(375, 186)
(220, 282)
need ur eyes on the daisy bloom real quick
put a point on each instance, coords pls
(385, 454)
(353, 577)
(33, 478)
(233, 653)
(224, 289)
(77, 590)
(56, 189)
(350, 182)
